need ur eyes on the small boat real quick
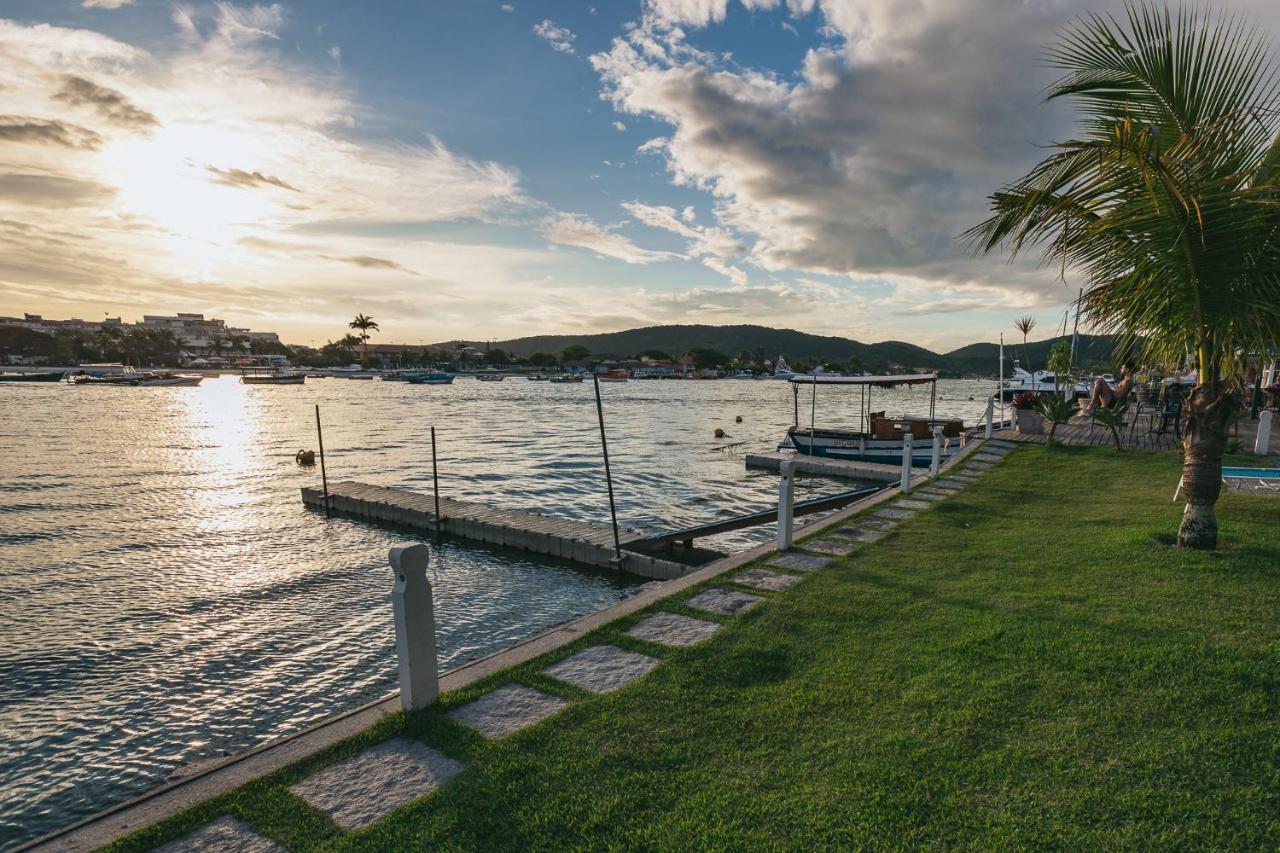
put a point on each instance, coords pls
(613, 376)
(274, 378)
(536, 377)
(434, 378)
(490, 377)
(360, 376)
(879, 438)
(167, 381)
(782, 370)
(32, 377)
(568, 377)
(743, 375)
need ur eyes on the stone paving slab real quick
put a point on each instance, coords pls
(987, 458)
(369, 786)
(834, 547)
(930, 494)
(602, 669)
(765, 579)
(508, 709)
(800, 562)
(673, 629)
(875, 523)
(947, 485)
(859, 534)
(224, 835)
(911, 503)
(979, 466)
(890, 512)
(965, 478)
(724, 601)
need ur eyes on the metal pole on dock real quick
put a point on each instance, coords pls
(435, 478)
(608, 475)
(324, 476)
(906, 461)
(937, 452)
(786, 504)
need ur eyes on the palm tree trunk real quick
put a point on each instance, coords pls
(1205, 441)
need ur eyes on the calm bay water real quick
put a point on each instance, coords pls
(165, 599)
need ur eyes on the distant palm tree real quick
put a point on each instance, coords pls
(217, 345)
(1025, 324)
(364, 324)
(1169, 203)
(349, 343)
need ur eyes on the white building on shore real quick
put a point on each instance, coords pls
(198, 335)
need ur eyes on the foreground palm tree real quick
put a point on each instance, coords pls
(1168, 202)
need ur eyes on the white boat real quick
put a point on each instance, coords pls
(879, 438)
(743, 375)
(781, 370)
(565, 378)
(490, 377)
(172, 380)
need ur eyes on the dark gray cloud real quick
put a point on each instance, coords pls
(110, 104)
(248, 180)
(370, 262)
(52, 190)
(43, 131)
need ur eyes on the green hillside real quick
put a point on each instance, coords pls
(972, 360)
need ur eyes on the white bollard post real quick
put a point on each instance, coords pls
(937, 452)
(991, 413)
(906, 461)
(1262, 444)
(786, 504)
(415, 627)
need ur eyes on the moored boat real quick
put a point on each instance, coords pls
(432, 378)
(32, 377)
(274, 378)
(879, 438)
(490, 377)
(613, 376)
(566, 378)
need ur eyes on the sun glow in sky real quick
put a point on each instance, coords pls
(488, 170)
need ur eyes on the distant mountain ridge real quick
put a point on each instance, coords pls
(978, 359)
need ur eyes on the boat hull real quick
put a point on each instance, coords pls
(274, 380)
(32, 377)
(430, 379)
(854, 446)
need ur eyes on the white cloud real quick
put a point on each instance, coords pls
(560, 38)
(507, 7)
(575, 230)
(710, 245)
(335, 53)
(619, 126)
(106, 4)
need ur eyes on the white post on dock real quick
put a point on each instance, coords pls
(906, 460)
(991, 413)
(1262, 444)
(415, 627)
(786, 503)
(937, 452)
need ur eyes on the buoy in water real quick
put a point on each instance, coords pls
(738, 419)
(305, 457)
(720, 433)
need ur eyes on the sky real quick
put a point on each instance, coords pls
(485, 170)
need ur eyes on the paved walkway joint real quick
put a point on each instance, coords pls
(367, 787)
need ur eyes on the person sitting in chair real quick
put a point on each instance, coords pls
(1104, 395)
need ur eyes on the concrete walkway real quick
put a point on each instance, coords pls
(356, 792)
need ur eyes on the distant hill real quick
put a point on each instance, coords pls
(972, 360)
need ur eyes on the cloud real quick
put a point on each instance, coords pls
(106, 4)
(369, 262)
(507, 7)
(619, 126)
(335, 53)
(38, 131)
(711, 245)
(575, 230)
(241, 178)
(110, 104)
(52, 191)
(560, 38)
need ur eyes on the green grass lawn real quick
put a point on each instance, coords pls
(1027, 664)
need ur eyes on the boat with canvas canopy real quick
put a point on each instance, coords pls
(879, 437)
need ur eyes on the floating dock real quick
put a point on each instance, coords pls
(872, 472)
(579, 541)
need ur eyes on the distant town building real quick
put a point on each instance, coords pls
(39, 324)
(197, 335)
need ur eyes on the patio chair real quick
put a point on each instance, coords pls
(1163, 415)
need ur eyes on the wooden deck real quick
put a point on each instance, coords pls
(1077, 432)
(579, 541)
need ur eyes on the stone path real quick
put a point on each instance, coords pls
(866, 529)
(224, 835)
(602, 669)
(508, 709)
(367, 787)
(363, 789)
(673, 629)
